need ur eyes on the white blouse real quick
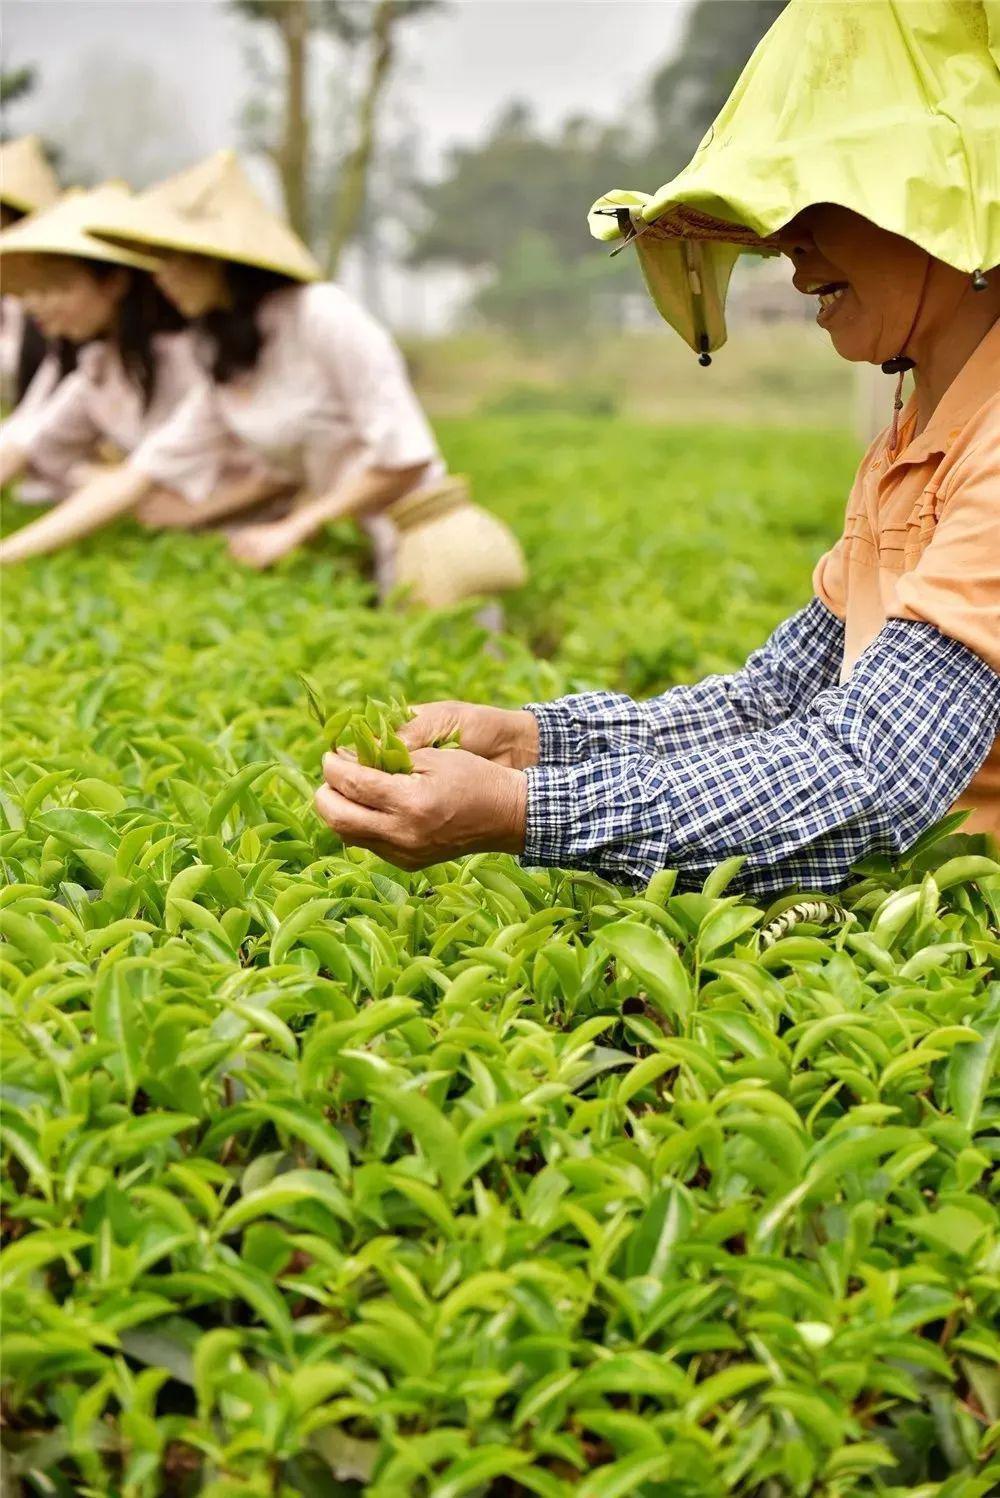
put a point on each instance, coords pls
(11, 332)
(15, 429)
(98, 402)
(328, 397)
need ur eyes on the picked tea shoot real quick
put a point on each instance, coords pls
(372, 732)
(374, 737)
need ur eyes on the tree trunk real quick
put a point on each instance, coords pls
(349, 198)
(293, 154)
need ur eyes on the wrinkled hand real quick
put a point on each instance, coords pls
(502, 736)
(453, 803)
(262, 545)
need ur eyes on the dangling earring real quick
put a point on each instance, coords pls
(897, 365)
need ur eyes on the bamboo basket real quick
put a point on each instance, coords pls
(449, 549)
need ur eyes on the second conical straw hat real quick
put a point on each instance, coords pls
(27, 182)
(211, 209)
(64, 229)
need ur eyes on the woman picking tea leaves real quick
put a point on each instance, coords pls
(860, 142)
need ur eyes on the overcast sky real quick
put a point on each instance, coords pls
(166, 80)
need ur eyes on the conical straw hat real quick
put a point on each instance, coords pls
(211, 209)
(890, 110)
(27, 182)
(64, 229)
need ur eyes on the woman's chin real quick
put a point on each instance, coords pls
(851, 345)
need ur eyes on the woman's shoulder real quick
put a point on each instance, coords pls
(325, 304)
(178, 350)
(285, 307)
(96, 361)
(322, 319)
(976, 451)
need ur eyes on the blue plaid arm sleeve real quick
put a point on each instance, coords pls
(802, 656)
(865, 767)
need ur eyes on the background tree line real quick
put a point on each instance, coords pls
(501, 206)
(506, 206)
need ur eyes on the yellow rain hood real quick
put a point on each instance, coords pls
(887, 107)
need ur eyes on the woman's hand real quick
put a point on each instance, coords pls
(503, 736)
(12, 461)
(165, 510)
(104, 499)
(10, 552)
(262, 545)
(453, 803)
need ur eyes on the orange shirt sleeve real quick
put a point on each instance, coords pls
(830, 575)
(956, 583)
(830, 579)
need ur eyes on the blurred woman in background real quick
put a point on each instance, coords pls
(305, 377)
(135, 363)
(30, 367)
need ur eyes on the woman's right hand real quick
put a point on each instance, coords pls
(501, 735)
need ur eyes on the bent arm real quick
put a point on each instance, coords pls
(365, 493)
(865, 768)
(370, 490)
(801, 658)
(165, 509)
(99, 502)
(12, 461)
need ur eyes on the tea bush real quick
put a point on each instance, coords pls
(326, 1179)
(657, 553)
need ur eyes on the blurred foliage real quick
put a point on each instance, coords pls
(321, 1179)
(786, 376)
(283, 131)
(349, 200)
(538, 294)
(516, 203)
(656, 554)
(15, 84)
(534, 400)
(517, 182)
(324, 159)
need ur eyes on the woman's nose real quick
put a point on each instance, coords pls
(795, 243)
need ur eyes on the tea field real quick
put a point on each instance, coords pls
(325, 1179)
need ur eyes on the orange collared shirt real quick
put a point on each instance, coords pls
(922, 539)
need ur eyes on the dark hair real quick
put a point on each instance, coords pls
(142, 313)
(232, 334)
(35, 347)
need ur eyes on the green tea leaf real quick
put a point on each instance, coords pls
(78, 829)
(654, 962)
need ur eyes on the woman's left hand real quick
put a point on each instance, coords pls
(165, 510)
(262, 545)
(452, 803)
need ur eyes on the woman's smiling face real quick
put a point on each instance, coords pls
(870, 283)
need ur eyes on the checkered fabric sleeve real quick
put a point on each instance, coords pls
(862, 768)
(802, 656)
